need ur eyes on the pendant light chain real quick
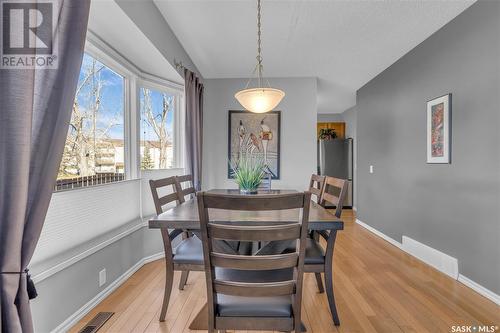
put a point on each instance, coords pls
(259, 47)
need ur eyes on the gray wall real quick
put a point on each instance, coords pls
(453, 208)
(330, 117)
(298, 131)
(65, 292)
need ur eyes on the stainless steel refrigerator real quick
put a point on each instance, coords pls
(335, 159)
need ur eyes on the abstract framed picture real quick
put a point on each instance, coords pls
(255, 135)
(439, 130)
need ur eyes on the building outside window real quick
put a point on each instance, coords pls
(94, 148)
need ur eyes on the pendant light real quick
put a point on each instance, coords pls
(260, 99)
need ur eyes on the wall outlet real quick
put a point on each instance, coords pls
(102, 277)
(371, 168)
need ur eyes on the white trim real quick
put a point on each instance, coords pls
(80, 313)
(161, 82)
(378, 233)
(95, 45)
(80, 256)
(479, 289)
(435, 258)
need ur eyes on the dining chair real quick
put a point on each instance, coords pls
(317, 260)
(189, 253)
(246, 292)
(316, 187)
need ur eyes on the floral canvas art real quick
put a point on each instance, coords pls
(438, 129)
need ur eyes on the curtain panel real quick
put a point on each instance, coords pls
(35, 110)
(194, 126)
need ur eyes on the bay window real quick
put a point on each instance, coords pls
(122, 121)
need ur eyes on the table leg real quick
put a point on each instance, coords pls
(200, 322)
(329, 276)
(274, 247)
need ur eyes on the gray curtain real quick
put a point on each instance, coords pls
(194, 125)
(35, 110)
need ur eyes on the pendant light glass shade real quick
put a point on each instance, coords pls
(259, 100)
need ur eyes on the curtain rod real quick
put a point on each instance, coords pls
(179, 65)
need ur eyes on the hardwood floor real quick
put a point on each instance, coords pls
(378, 288)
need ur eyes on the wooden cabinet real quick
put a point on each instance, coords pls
(339, 128)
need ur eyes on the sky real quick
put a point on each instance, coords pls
(111, 108)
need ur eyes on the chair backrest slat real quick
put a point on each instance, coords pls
(168, 199)
(316, 186)
(259, 263)
(254, 233)
(260, 202)
(335, 199)
(246, 289)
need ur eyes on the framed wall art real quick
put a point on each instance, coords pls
(439, 130)
(255, 135)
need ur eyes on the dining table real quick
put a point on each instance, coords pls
(185, 216)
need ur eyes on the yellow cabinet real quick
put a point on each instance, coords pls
(338, 127)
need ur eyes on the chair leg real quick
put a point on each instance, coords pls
(169, 280)
(331, 297)
(183, 281)
(319, 282)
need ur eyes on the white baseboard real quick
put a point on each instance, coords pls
(80, 313)
(445, 263)
(479, 289)
(378, 233)
(153, 257)
(437, 259)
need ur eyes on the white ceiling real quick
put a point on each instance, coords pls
(108, 21)
(344, 43)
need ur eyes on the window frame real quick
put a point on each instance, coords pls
(153, 83)
(133, 80)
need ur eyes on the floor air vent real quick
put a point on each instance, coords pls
(96, 323)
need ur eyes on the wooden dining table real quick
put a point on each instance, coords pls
(185, 216)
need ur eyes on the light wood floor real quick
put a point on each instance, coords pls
(378, 288)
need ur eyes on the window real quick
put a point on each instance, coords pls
(157, 109)
(94, 150)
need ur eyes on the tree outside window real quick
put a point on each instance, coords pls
(157, 112)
